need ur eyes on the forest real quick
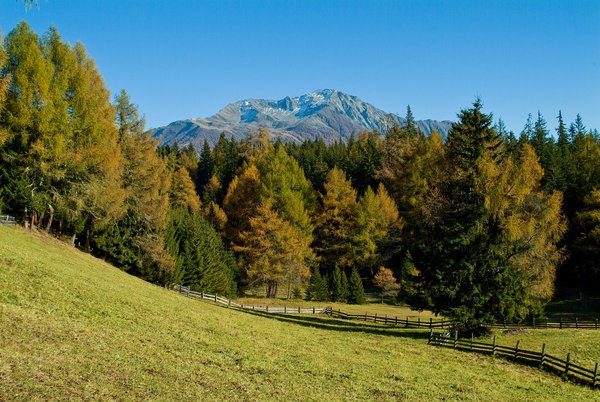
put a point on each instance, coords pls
(479, 227)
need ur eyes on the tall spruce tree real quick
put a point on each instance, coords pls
(335, 285)
(492, 253)
(463, 278)
(356, 293)
(202, 261)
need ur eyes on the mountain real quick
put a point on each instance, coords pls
(327, 114)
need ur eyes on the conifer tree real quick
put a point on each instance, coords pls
(587, 244)
(335, 285)
(227, 158)
(241, 201)
(356, 290)
(284, 182)
(183, 192)
(135, 243)
(345, 287)
(318, 289)
(202, 261)
(275, 253)
(482, 263)
(336, 222)
(378, 228)
(206, 168)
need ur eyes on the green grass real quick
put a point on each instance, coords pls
(73, 327)
(369, 308)
(584, 345)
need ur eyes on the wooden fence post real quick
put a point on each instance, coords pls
(560, 325)
(284, 309)
(596, 323)
(543, 357)
(419, 322)
(546, 322)
(375, 317)
(430, 322)
(313, 309)
(517, 349)
(471, 341)
(298, 310)
(215, 297)
(267, 309)
(406, 321)
(568, 363)
(533, 322)
(365, 316)
(397, 320)
(595, 381)
(202, 295)
(229, 304)
(455, 338)
(494, 347)
(576, 323)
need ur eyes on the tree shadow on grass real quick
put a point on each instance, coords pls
(341, 325)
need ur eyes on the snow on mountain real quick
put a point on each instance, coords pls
(327, 114)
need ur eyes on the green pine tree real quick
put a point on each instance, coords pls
(344, 288)
(335, 285)
(356, 290)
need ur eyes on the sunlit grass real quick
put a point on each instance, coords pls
(73, 327)
(371, 308)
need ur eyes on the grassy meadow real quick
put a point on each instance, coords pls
(74, 327)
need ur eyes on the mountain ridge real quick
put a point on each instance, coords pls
(327, 113)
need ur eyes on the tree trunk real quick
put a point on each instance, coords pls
(32, 220)
(50, 218)
(40, 219)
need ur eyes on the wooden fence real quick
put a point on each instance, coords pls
(557, 323)
(529, 357)
(384, 319)
(267, 309)
(7, 220)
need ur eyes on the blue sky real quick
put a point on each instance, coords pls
(181, 59)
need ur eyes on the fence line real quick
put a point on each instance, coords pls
(530, 357)
(266, 309)
(396, 321)
(561, 323)
(8, 220)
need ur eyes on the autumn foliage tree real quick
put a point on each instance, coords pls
(274, 252)
(384, 279)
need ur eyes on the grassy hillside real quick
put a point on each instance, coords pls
(74, 327)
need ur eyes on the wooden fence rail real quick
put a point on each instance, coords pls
(530, 357)
(267, 309)
(561, 323)
(7, 220)
(396, 321)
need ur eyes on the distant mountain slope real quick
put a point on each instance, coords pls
(327, 114)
